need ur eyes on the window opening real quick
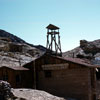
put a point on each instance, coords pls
(47, 73)
(5, 77)
(98, 74)
(18, 78)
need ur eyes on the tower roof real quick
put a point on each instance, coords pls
(52, 27)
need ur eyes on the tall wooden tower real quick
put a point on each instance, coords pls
(53, 40)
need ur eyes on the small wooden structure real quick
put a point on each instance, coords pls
(68, 77)
(52, 40)
(18, 77)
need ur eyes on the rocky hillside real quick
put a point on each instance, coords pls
(12, 37)
(15, 51)
(89, 50)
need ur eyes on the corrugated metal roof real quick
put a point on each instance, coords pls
(79, 61)
(73, 60)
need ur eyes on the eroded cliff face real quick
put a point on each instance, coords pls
(15, 51)
(90, 47)
(89, 50)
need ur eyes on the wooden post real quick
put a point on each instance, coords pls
(93, 83)
(34, 75)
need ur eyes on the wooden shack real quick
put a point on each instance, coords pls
(18, 77)
(68, 77)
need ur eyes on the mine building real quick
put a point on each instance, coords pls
(65, 77)
(16, 76)
(70, 77)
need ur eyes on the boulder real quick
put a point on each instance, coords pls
(5, 91)
(90, 47)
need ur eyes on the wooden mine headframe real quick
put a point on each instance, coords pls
(53, 40)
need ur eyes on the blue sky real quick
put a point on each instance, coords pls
(77, 19)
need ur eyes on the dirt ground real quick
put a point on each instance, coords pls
(29, 94)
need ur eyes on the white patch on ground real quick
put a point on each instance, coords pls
(29, 94)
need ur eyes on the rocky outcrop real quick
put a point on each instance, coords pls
(89, 50)
(90, 47)
(5, 91)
